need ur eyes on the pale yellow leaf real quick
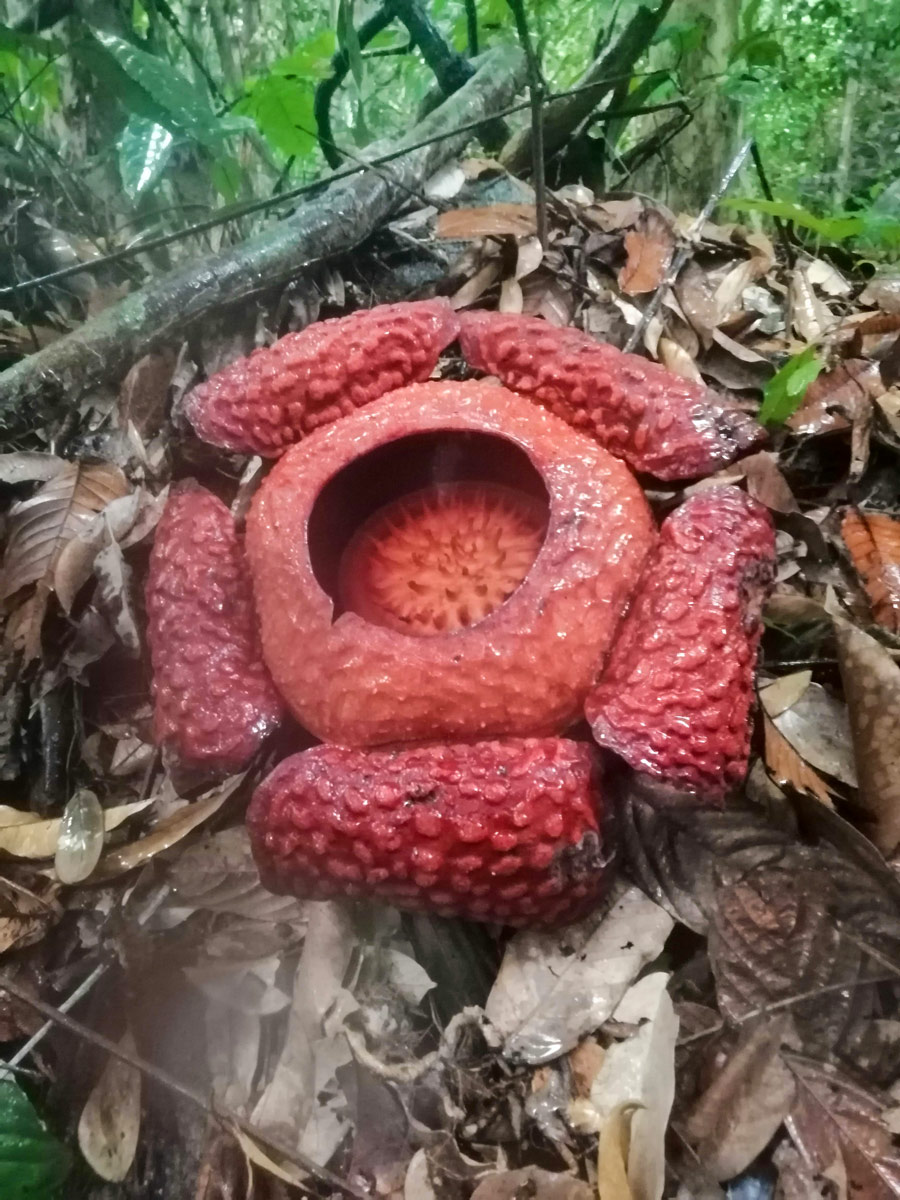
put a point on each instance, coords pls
(110, 1121)
(30, 838)
(612, 1155)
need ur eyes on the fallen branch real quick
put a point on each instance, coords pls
(335, 220)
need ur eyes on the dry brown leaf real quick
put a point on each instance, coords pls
(511, 300)
(529, 257)
(25, 836)
(837, 397)
(24, 916)
(816, 725)
(697, 298)
(165, 833)
(766, 483)
(871, 681)
(797, 1180)
(836, 1121)
(784, 692)
(612, 1155)
(827, 277)
(649, 247)
(787, 768)
(59, 511)
(774, 939)
(810, 317)
(473, 289)
(110, 1122)
(494, 220)
(75, 563)
(748, 1099)
(257, 1157)
(873, 540)
(144, 392)
(584, 1062)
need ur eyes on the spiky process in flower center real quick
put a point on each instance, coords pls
(442, 558)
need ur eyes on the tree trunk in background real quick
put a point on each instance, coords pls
(693, 162)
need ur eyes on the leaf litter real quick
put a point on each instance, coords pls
(730, 1013)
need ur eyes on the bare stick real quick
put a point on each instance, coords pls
(536, 93)
(686, 249)
(164, 1079)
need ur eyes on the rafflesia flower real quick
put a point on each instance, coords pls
(443, 576)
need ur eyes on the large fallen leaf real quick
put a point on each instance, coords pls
(774, 940)
(649, 248)
(640, 1072)
(835, 1121)
(749, 1097)
(166, 833)
(40, 527)
(110, 1121)
(24, 835)
(23, 466)
(554, 987)
(872, 687)
(218, 874)
(495, 220)
(873, 540)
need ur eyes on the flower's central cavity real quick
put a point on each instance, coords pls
(429, 533)
(441, 558)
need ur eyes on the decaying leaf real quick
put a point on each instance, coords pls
(747, 1100)
(110, 1122)
(871, 681)
(640, 1072)
(41, 526)
(809, 316)
(25, 835)
(554, 987)
(25, 916)
(24, 466)
(836, 1123)
(816, 726)
(80, 842)
(837, 397)
(873, 540)
(166, 833)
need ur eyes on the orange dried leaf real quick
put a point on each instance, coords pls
(649, 249)
(495, 220)
(873, 540)
(787, 767)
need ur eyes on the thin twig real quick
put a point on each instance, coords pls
(161, 1076)
(686, 249)
(471, 28)
(537, 96)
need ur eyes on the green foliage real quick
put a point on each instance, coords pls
(33, 1164)
(152, 88)
(281, 101)
(144, 151)
(878, 230)
(785, 390)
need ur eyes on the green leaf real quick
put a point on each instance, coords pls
(311, 58)
(12, 39)
(154, 89)
(835, 229)
(33, 1164)
(282, 107)
(785, 390)
(684, 35)
(144, 151)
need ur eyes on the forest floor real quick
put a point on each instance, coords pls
(730, 1017)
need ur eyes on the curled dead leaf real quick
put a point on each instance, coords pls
(787, 768)
(649, 247)
(494, 220)
(25, 916)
